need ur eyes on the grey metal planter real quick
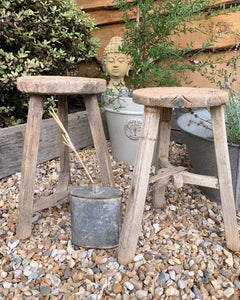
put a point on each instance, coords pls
(199, 141)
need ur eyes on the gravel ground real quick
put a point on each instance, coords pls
(181, 253)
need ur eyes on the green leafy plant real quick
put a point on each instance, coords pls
(229, 82)
(114, 98)
(157, 60)
(232, 111)
(47, 37)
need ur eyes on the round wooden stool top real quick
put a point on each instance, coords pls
(64, 85)
(177, 97)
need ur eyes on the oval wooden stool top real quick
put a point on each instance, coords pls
(63, 85)
(177, 97)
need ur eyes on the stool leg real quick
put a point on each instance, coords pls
(225, 179)
(64, 176)
(29, 163)
(163, 150)
(137, 194)
(99, 140)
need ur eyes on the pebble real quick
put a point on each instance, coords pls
(182, 284)
(181, 253)
(228, 292)
(237, 283)
(229, 261)
(129, 285)
(117, 288)
(45, 290)
(141, 294)
(138, 257)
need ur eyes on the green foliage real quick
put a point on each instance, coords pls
(113, 98)
(232, 111)
(232, 115)
(156, 59)
(39, 37)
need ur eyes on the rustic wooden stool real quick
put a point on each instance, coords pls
(159, 103)
(37, 87)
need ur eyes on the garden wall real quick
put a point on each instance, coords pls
(12, 139)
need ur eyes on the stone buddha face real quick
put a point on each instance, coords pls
(116, 64)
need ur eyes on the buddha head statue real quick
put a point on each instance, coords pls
(116, 64)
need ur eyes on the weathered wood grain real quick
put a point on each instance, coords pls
(180, 97)
(135, 206)
(64, 176)
(95, 4)
(12, 139)
(30, 150)
(53, 200)
(225, 179)
(196, 179)
(99, 140)
(163, 150)
(60, 85)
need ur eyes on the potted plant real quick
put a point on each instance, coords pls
(123, 116)
(156, 59)
(198, 136)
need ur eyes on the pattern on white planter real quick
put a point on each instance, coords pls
(132, 129)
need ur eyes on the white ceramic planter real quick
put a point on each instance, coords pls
(124, 126)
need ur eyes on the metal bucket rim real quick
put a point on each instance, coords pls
(97, 196)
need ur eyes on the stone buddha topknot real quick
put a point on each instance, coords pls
(116, 64)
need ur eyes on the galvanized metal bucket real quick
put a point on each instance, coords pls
(96, 217)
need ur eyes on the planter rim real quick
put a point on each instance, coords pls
(185, 118)
(124, 112)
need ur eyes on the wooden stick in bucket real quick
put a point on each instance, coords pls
(68, 142)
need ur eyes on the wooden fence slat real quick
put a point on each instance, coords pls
(231, 21)
(95, 4)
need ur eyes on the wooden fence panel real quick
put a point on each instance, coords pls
(109, 22)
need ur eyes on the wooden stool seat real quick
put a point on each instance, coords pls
(64, 85)
(178, 97)
(159, 103)
(38, 87)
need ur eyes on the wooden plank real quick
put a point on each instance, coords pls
(99, 140)
(30, 152)
(105, 33)
(133, 217)
(162, 178)
(107, 16)
(196, 179)
(231, 21)
(225, 180)
(12, 139)
(64, 176)
(95, 4)
(162, 150)
(89, 5)
(53, 200)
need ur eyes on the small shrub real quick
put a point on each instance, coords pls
(232, 111)
(46, 37)
(157, 59)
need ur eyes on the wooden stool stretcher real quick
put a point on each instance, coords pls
(159, 103)
(37, 87)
